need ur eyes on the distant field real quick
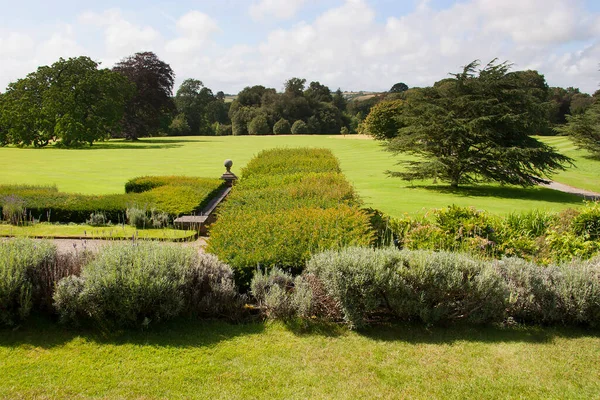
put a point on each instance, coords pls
(107, 166)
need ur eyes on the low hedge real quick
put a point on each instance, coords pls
(289, 204)
(173, 195)
(357, 285)
(138, 284)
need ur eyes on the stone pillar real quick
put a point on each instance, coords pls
(229, 177)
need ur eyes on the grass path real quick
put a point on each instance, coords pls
(105, 168)
(223, 361)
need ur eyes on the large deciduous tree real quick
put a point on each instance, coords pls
(152, 100)
(192, 100)
(71, 101)
(476, 126)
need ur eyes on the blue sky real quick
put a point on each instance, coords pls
(352, 44)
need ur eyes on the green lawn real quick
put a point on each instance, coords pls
(219, 360)
(107, 166)
(586, 174)
(45, 230)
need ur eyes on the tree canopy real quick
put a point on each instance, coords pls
(584, 129)
(476, 126)
(153, 81)
(71, 101)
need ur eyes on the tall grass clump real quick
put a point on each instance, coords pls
(289, 204)
(22, 263)
(141, 283)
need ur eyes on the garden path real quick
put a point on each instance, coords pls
(586, 194)
(74, 245)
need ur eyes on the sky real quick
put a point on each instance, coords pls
(349, 44)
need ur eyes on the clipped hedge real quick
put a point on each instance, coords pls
(172, 194)
(289, 204)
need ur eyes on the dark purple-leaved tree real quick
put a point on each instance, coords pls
(152, 102)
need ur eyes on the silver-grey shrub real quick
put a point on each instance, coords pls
(20, 263)
(556, 294)
(411, 285)
(274, 293)
(356, 278)
(210, 288)
(439, 287)
(139, 283)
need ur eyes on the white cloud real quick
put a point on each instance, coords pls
(279, 9)
(347, 46)
(121, 37)
(195, 30)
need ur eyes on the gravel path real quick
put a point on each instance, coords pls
(74, 245)
(586, 194)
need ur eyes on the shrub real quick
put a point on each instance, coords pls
(210, 289)
(138, 217)
(20, 263)
(344, 131)
(431, 287)
(135, 284)
(259, 126)
(98, 219)
(565, 294)
(13, 210)
(128, 285)
(587, 223)
(273, 292)
(299, 128)
(282, 127)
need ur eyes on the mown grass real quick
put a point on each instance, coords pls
(218, 360)
(45, 230)
(103, 168)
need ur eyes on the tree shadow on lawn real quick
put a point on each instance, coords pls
(142, 144)
(506, 192)
(44, 332)
(419, 333)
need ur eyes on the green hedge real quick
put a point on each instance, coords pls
(289, 204)
(172, 194)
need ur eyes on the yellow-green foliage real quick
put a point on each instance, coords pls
(541, 236)
(289, 204)
(171, 194)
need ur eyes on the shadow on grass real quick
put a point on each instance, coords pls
(43, 332)
(418, 333)
(506, 192)
(188, 333)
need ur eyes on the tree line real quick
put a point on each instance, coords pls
(75, 102)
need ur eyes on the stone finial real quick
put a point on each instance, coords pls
(229, 177)
(228, 164)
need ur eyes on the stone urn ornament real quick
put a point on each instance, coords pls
(229, 177)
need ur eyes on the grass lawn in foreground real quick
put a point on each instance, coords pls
(45, 230)
(223, 361)
(106, 167)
